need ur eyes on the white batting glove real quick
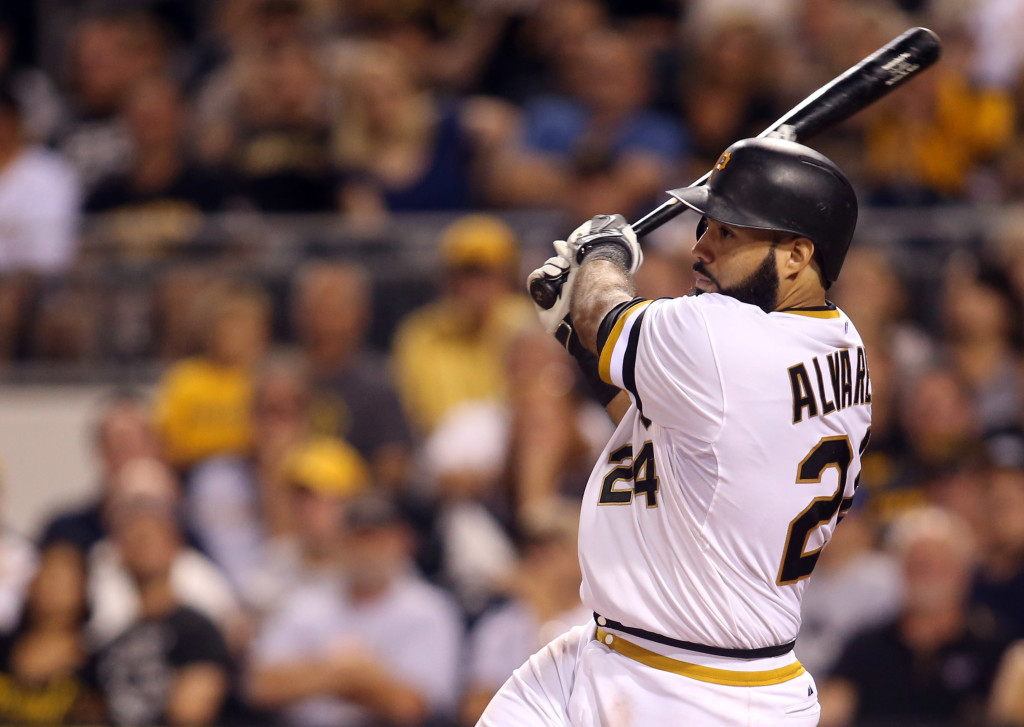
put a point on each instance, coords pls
(601, 230)
(558, 267)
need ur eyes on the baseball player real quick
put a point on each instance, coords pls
(736, 454)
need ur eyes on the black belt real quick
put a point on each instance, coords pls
(760, 653)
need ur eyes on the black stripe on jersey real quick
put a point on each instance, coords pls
(758, 653)
(829, 306)
(629, 359)
(609, 320)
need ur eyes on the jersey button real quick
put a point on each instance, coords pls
(609, 639)
(602, 621)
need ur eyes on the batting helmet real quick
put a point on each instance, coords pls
(773, 184)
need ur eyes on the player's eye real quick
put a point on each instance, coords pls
(726, 233)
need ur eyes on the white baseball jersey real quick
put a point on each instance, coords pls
(707, 510)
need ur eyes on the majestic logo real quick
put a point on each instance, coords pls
(723, 161)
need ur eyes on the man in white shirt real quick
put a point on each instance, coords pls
(40, 199)
(737, 452)
(378, 644)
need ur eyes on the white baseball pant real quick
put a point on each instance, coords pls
(579, 680)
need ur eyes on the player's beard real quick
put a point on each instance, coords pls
(760, 288)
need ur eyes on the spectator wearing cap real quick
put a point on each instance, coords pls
(544, 601)
(169, 664)
(146, 491)
(355, 396)
(320, 476)
(40, 197)
(202, 402)
(453, 350)
(936, 661)
(244, 509)
(379, 644)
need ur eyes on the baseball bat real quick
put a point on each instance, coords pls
(887, 68)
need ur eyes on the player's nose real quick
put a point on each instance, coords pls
(701, 250)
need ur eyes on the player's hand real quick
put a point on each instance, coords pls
(603, 230)
(558, 267)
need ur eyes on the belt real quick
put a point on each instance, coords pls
(725, 677)
(759, 653)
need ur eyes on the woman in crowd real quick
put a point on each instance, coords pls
(42, 660)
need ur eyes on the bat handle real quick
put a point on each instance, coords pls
(545, 291)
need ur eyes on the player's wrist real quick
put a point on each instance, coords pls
(612, 249)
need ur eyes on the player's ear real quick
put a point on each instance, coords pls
(799, 254)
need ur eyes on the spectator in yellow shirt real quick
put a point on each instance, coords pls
(203, 402)
(933, 137)
(453, 350)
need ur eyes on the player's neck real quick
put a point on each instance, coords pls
(803, 292)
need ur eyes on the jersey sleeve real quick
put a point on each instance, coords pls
(660, 353)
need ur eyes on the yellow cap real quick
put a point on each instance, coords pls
(479, 241)
(328, 466)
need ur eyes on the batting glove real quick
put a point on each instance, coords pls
(603, 231)
(559, 267)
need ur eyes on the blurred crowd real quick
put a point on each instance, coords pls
(310, 521)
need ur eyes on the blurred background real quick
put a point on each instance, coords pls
(280, 441)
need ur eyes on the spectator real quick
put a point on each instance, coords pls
(555, 430)
(276, 140)
(981, 315)
(1007, 706)
(238, 503)
(936, 662)
(281, 532)
(243, 31)
(399, 149)
(999, 584)
(43, 659)
(522, 63)
(158, 203)
(109, 53)
(597, 147)
(202, 405)
(122, 432)
(465, 460)
(380, 644)
(145, 490)
(545, 603)
(928, 142)
(727, 92)
(453, 350)
(36, 94)
(938, 420)
(854, 588)
(170, 665)
(39, 201)
(356, 398)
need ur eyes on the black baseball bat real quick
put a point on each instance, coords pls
(877, 75)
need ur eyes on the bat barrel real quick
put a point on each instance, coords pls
(877, 75)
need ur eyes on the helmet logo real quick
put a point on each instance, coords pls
(722, 161)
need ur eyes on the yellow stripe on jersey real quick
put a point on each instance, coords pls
(725, 677)
(813, 313)
(604, 367)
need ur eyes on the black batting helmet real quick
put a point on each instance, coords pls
(774, 184)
